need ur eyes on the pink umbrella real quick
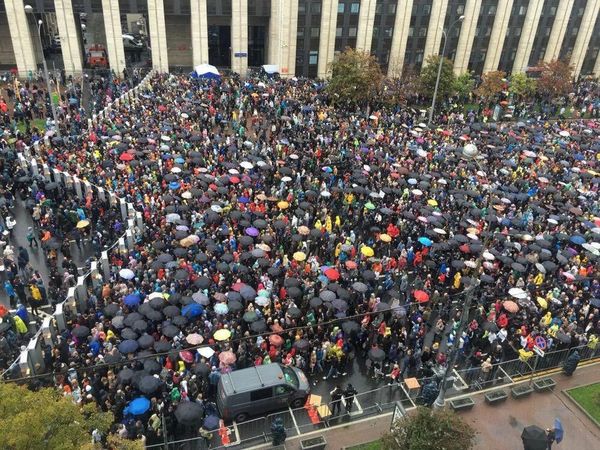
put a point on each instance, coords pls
(276, 340)
(194, 339)
(227, 357)
(510, 306)
(186, 356)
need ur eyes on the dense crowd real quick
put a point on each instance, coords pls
(279, 228)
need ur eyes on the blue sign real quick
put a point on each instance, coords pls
(240, 55)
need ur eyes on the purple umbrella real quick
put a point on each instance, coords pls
(251, 231)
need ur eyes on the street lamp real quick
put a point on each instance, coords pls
(29, 10)
(471, 153)
(437, 80)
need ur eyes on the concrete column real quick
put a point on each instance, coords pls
(199, 32)
(129, 238)
(329, 12)
(584, 35)
(78, 190)
(532, 19)
(123, 204)
(239, 36)
(596, 72)
(366, 19)
(494, 51)
(400, 37)
(283, 28)
(467, 35)
(436, 26)
(559, 28)
(158, 35)
(101, 194)
(105, 263)
(139, 221)
(21, 36)
(69, 38)
(114, 35)
(59, 315)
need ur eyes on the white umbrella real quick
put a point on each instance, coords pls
(517, 293)
(156, 295)
(207, 352)
(126, 274)
(262, 301)
(246, 165)
(173, 217)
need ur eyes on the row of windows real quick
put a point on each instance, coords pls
(315, 8)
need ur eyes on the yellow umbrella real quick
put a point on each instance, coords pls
(283, 205)
(222, 335)
(299, 256)
(83, 223)
(367, 251)
(542, 302)
(385, 237)
(432, 202)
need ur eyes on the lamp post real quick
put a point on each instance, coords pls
(29, 10)
(470, 152)
(437, 80)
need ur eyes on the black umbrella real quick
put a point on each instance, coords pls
(171, 311)
(534, 438)
(125, 375)
(128, 333)
(162, 346)
(294, 292)
(201, 370)
(294, 312)
(350, 327)
(131, 318)
(170, 330)
(315, 302)
(301, 345)
(179, 321)
(128, 346)
(235, 306)
(360, 287)
(258, 326)
(149, 384)
(189, 413)
(81, 332)
(376, 354)
(152, 366)
(145, 341)
(111, 310)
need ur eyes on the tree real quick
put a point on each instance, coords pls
(463, 85)
(356, 78)
(427, 429)
(400, 90)
(556, 79)
(429, 75)
(521, 86)
(492, 84)
(45, 419)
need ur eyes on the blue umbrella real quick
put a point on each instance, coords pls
(137, 407)
(179, 160)
(192, 310)
(174, 185)
(578, 240)
(425, 241)
(243, 199)
(128, 346)
(211, 422)
(559, 432)
(132, 300)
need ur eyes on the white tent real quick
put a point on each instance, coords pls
(206, 71)
(271, 68)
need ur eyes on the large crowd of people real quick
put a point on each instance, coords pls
(279, 228)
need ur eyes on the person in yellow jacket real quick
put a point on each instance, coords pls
(457, 278)
(36, 299)
(338, 222)
(338, 249)
(20, 325)
(318, 224)
(539, 279)
(328, 224)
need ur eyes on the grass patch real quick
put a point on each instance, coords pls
(588, 398)
(375, 445)
(39, 123)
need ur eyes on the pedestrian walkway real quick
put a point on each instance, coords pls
(498, 427)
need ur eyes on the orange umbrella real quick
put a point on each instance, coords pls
(332, 274)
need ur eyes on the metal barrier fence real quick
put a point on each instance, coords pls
(372, 403)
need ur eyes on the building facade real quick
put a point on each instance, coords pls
(301, 37)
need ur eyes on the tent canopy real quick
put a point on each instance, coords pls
(206, 71)
(271, 68)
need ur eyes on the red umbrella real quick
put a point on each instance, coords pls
(234, 180)
(502, 321)
(332, 274)
(351, 265)
(421, 296)
(237, 286)
(186, 356)
(126, 157)
(276, 340)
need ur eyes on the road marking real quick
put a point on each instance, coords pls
(359, 409)
(294, 420)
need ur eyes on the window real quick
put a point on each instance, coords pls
(315, 8)
(338, 32)
(482, 55)
(388, 31)
(426, 10)
(517, 32)
(392, 8)
(574, 31)
(492, 10)
(460, 9)
(300, 32)
(488, 31)
(313, 57)
(375, 32)
(282, 389)
(422, 32)
(419, 57)
(580, 12)
(379, 8)
(553, 10)
(314, 32)
(301, 8)
(261, 394)
(354, 8)
(522, 10)
(352, 32)
(548, 31)
(476, 31)
(411, 31)
(341, 8)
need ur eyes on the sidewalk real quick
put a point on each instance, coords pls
(498, 427)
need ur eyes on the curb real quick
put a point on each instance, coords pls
(578, 405)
